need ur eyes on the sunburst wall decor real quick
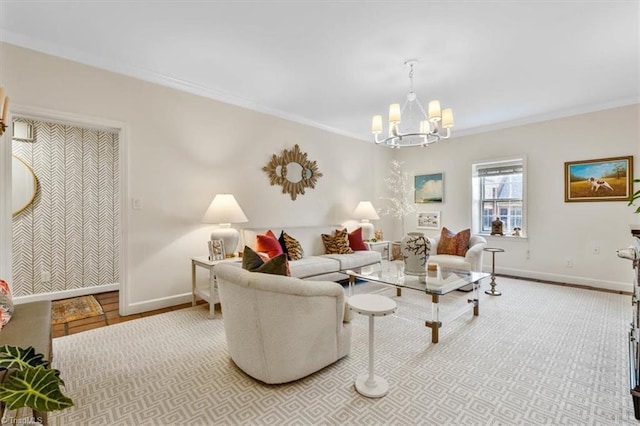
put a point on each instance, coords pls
(293, 171)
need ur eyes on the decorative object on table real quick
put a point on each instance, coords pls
(366, 212)
(429, 188)
(372, 305)
(29, 381)
(225, 210)
(5, 110)
(493, 251)
(419, 127)
(293, 171)
(517, 231)
(497, 227)
(399, 185)
(415, 253)
(604, 179)
(378, 235)
(216, 249)
(429, 220)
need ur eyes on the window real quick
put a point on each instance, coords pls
(498, 191)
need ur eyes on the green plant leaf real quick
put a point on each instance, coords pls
(34, 387)
(12, 357)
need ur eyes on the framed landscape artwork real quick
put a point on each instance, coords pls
(429, 220)
(429, 188)
(604, 179)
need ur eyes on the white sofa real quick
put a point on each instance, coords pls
(281, 328)
(472, 261)
(315, 265)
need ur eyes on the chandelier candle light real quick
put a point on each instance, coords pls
(431, 122)
(5, 109)
(225, 210)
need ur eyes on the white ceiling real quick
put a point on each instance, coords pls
(334, 64)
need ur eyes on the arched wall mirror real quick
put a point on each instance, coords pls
(293, 171)
(24, 185)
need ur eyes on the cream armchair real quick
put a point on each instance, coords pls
(472, 261)
(280, 328)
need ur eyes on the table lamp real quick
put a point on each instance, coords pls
(225, 210)
(366, 212)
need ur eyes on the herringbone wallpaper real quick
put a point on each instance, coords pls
(71, 230)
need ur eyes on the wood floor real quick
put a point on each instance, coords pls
(109, 302)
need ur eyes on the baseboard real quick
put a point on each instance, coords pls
(160, 303)
(65, 294)
(616, 286)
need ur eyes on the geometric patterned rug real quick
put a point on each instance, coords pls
(76, 308)
(540, 354)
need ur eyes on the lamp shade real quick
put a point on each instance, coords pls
(365, 210)
(224, 209)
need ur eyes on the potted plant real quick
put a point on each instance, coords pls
(28, 381)
(635, 229)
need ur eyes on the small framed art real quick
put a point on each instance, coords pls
(603, 179)
(429, 220)
(429, 188)
(216, 250)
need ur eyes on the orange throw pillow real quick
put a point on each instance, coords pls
(268, 244)
(456, 244)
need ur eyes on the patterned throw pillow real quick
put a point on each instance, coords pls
(338, 243)
(269, 244)
(355, 240)
(293, 247)
(6, 304)
(456, 244)
(251, 261)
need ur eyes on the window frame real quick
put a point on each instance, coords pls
(478, 200)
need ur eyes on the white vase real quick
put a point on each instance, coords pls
(415, 252)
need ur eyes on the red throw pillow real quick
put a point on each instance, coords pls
(355, 240)
(456, 244)
(269, 244)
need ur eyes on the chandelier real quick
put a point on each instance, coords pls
(429, 127)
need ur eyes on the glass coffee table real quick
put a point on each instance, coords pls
(435, 283)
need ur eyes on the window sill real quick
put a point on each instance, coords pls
(503, 237)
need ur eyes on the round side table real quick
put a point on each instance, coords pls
(372, 305)
(493, 251)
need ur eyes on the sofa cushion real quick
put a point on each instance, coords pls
(252, 261)
(356, 259)
(337, 243)
(454, 244)
(313, 265)
(269, 244)
(355, 240)
(6, 304)
(293, 247)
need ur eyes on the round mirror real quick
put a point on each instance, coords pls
(23, 185)
(294, 172)
(307, 173)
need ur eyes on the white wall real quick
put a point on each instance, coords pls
(182, 150)
(555, 230)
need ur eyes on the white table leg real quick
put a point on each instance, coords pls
(212, 293)
(368, 384)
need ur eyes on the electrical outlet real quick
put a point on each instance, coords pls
(45, 277)
(568, 262)
(137, 204)
(595, 250)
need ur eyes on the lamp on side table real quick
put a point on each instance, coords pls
(225, 210)
(366, 212)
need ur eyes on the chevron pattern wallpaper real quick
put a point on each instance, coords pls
(71, 230)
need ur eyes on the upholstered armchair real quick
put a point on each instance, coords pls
(279, 328)
(472, 260)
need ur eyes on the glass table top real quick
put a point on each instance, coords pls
(440, 282)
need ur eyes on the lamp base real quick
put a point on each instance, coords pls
(229, 237)
(367, 230)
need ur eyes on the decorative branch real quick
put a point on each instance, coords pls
(400, 185)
